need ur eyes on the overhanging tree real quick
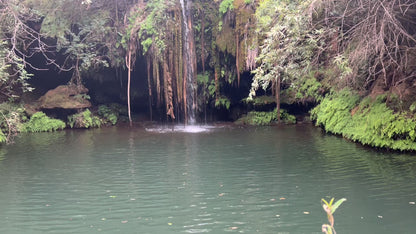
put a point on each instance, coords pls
(288, 48)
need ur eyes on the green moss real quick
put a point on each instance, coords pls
(225, 41)
(266, 118)
(39, 122)
(84, 119)
(368, 121)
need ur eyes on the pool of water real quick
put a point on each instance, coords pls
(242, 180)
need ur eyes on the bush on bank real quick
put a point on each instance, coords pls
(266, 118)
(39, 122)
(368, 121)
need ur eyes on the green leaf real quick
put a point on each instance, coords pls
(337, 204)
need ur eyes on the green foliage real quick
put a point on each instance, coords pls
(225, 6)
(108, 114)
(308, 88)
(203, 78)
(266, 118)
(223, 101)
(265, 13)
(10, 65)
(39, 122)
(11, 118)
(151, 27)
(286, 117)
(83, 32)
(289, 45)
(206, 86)
(81, 97)
(369, 122)
(3, 137)
(84, 119)
(343, 66)
(334, 112)
(412, 107)
(261, 100)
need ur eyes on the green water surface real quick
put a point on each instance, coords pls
(229, 179)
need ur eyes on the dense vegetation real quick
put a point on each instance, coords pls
(206, 56)
(39, 122)
(368, 121)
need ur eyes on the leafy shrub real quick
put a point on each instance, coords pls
(109, 114)
(266, 118)
(286, 117)
(11, 118)
(368, 121)
(223, 101)
(226, 5)
(39, 122)
(84, 119)
(308, 88)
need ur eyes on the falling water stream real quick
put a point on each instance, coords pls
(188, 58)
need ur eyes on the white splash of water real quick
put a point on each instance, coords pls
(181, 128)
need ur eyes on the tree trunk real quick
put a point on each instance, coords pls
(277, 90)
(128, 87)
(203, 41)
(217, 86)
(237, 63)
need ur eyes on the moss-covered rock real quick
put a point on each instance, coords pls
(65, 97)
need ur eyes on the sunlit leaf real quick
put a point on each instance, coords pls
(337, 204)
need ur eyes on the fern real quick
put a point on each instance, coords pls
(223, 101)
(39, 122)
(84, 120)
(262, 118)
(371, 122)
(109, 115)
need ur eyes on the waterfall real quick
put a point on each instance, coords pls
(189, 67)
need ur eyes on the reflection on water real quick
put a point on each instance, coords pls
(248, 180)
(2, 154)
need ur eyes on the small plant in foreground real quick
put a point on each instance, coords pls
(330, 208)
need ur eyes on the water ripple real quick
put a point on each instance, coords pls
(248, 180)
